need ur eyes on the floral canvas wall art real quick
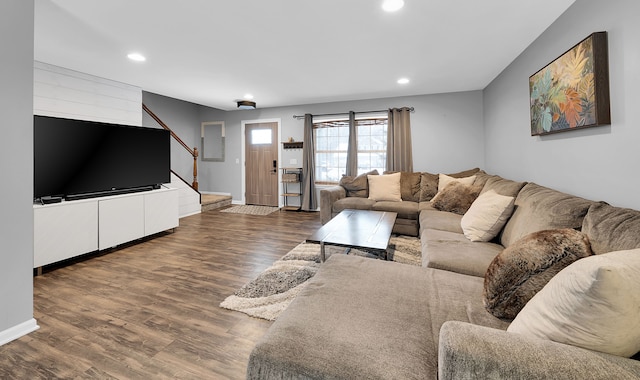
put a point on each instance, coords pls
(572, 92)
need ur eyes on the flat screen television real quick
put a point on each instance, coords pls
(76, 159)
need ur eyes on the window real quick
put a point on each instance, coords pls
(332, 139)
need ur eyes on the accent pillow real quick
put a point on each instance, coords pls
(486, 216)
(456, 197)
(385, 187)
(428, 186)
(409, 185)
(525, 267)
(444, 180)
(594, 303)
(357, 186)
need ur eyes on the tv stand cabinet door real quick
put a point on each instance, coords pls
(121, 220)
(160, 211)
(64, 230)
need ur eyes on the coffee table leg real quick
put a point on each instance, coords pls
(322, 257)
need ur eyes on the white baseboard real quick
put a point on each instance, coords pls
(214, 193)
(237, 202)
(17, 331)
(190, 213)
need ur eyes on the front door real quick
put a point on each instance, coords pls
(261, 160)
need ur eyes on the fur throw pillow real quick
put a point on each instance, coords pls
(525, 267)
(456, 197)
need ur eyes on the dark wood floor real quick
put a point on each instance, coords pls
(150, 310)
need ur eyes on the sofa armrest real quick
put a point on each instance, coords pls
(327, 197)
(469, 351)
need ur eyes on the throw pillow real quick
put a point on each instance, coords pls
(357, 186)
(456, 197)
(486, 216)
(594, 303)
(525, 267)
(385, 187)
(444, 180)
(409, 185)
(428, 186)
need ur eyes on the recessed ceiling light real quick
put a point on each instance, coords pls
(136, 57)
(392, 5)
(248, 96)
(403, 80)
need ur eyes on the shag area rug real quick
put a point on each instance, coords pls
(273, 290)
(250, 210)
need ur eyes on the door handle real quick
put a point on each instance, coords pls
(275, 166)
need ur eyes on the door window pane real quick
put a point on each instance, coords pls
(260, 136)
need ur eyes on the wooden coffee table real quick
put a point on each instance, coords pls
(370, 230)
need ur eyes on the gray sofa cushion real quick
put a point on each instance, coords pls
(355, 203)
(433, 219)
(428, 186)
(380, 320)
(454, 252)
(612, 228)
(357, 186)
(468, 351)
(539, 208)
(405, 209)
(503, 186)
(409, 185)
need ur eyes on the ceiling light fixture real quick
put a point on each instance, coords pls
(136, 57)
(403, 80)
(392, 5)
(246, 105)
(248, 96)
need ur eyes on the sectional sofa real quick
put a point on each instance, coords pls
(546, 289)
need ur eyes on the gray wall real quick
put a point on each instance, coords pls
(597, 163)
(184, 119)
(446, 130)
(16, 163)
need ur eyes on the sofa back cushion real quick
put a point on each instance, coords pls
(502, 186)
(357, 186)
(612, 228)
(409, 185)
(428, 186)
(539, 208)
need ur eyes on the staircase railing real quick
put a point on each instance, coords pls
(193, 152)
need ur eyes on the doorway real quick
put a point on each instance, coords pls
(261, 163)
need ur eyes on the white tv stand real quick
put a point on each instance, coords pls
(68, 229)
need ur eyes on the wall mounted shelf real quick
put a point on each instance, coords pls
(292, 145)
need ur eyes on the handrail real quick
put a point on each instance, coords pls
(193, 152)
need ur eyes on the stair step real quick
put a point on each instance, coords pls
(214, 201)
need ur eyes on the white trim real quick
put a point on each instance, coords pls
(190, 214)
(214, 193)
(243, 123)
(18, 331)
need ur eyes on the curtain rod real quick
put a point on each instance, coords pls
(411, 109)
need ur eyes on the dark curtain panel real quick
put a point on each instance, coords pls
(399, 152)
(309, 201)
(352, 149)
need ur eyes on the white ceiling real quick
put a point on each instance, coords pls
(288, 52)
